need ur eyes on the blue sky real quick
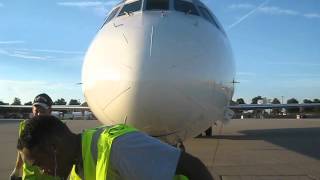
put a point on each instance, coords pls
(275, 44)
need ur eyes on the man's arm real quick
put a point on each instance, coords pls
(17, 171)
(192, 168)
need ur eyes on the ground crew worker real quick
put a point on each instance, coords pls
(41, 106)
(106, 152)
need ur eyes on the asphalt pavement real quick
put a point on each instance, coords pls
(252, 149)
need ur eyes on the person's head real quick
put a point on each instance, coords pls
(42, 105)
(48, 143)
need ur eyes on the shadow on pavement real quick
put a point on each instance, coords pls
(305, 141)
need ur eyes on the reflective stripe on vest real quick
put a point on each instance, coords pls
(22, 124)
(180, 177)
(73, 174)
(99, 170)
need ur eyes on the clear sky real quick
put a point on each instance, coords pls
(276, 45)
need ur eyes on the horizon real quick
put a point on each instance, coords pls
(269, 100)
(42, 46)
(67, 100)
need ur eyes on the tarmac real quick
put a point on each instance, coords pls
(250, 149)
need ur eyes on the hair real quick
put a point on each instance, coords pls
(41, 130)
(47, 99)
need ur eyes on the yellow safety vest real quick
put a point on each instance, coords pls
(101, 170)
(180, 177)
(73, 175)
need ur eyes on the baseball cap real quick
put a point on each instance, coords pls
(43, 100)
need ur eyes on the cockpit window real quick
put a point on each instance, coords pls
(206, 14)
(157, 5)
(130, 8)
(186, 7)
(111, 16)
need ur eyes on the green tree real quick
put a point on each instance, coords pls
(232, 103)
(307, 101)
(240, 101)
(256, 99)
(60, 101)
(74, 102)
(237, 102)
(276, 101)
(308, 109)
(28, 103)
(257, 113)
(85, 104)
(2, 103)
(16, 101)
(316, 101)
(293, 101)
(278, 110)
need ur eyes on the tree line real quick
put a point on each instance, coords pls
(256, 99)
(277, 101)
(61, 101)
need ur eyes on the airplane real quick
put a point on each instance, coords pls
(163, 66)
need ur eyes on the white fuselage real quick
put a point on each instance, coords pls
(166, 73)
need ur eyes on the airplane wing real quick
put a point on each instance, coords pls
(73, 107)
(247, 107)
(54, 107)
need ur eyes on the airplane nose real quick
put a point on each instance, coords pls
(163, 74)
(110, 68)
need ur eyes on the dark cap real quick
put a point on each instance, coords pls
(42, 100)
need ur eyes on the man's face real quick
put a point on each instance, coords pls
(40, 111)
